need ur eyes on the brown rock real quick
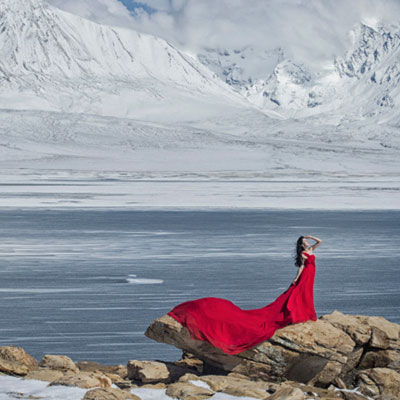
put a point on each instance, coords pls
(287, 393)
(328, 374)
(59, 363)
(233, 385)
(148, 371)
(237, 375)
(84, 380)
(297, 352)
(189, 361)
(339, 383)
(330, 350)
(182, 390)
(385, 334)
(114, 377)
(357, 329)
(187, 377)
(240, 387)
(312, 391)
(125, 384)
(354, 396)
(176, 370)
(44, 374)
(90, 366)
(159, 385)
(14, 360)
(109, 394)
(379, 381)
(381, 359)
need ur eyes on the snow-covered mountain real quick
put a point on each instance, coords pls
(362, 83)
(54, 60)
(79, 96)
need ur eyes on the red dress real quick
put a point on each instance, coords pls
(232, 329)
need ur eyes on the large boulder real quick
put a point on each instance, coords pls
(14, 360)
(319, 353)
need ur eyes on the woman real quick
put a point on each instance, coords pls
(232, 329)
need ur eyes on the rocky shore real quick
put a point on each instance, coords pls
(350, 357)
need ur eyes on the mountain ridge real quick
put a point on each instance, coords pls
(54, 60)
(292, 90)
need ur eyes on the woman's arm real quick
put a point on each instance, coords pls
(315, 245)
(300, 270)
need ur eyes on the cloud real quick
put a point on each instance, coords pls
(110, 12)
(309, 31)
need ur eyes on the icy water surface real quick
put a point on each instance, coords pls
(87, 283)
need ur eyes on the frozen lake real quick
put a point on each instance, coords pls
(87, 283)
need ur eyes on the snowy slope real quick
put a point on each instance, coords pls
(53, 60)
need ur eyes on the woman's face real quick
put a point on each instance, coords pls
(305, 243)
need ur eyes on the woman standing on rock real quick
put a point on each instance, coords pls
(232, 329)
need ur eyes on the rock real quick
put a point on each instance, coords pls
(44, 374)
(312, 391)
(315, 350)
(337, 349)
(234, 385)
(59, 363)
(182, 390)
(385, 334)
(90, 366)
(14, 360)
(114, 377)
(287, 393)
(357, 329)
(379, 381)
(381, 359)
(240, 387)
(148, 371)
(159, 385)
(354, 396)
(339, 383)
(187, 377)
(176, 370)
(237, 375)
(84, 380)
(190, 362)
(109, 394)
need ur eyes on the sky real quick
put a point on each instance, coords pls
(309, 31)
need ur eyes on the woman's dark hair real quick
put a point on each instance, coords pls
(298, 259)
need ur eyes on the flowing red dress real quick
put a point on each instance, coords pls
(232, 329)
